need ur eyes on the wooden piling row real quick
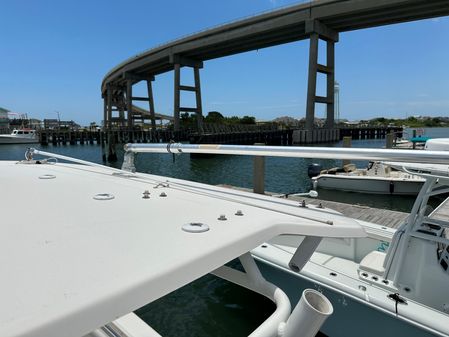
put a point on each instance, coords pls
(369, 132)
(277, 137)
(269, 136)
(56, 137)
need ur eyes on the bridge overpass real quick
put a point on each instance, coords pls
(322, 19)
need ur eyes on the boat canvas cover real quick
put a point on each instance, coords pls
(81, 246)
(416, 168)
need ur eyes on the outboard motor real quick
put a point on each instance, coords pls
(314, 170)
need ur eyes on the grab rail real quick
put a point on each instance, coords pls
(435, 157)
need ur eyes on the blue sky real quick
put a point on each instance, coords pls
(55, 53)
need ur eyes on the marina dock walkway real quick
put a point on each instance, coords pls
(442, 212)
(383, 217)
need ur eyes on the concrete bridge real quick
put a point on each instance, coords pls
(322, 19)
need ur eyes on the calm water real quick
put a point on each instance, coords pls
(282, 175)
(211, 306)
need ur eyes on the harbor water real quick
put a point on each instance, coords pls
(282, 175)
(210, 306)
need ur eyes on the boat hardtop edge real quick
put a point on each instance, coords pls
(115, 205)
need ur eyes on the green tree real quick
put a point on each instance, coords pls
(248, 120)
(214, 117)
(233, 120)
(188, 121)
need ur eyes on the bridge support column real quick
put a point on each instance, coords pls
(108, 99)
(129, 103)
(177, 96)
(111, 154)
(105, 113)
(319, 31)
(330, 92)
(179, 62)
(311, 84)
(199, 105)
(124, 101)
(151, 105)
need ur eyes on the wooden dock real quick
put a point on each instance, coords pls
(383, 217)
(442, 212)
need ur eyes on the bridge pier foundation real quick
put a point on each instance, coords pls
(319, 31)
(179, 62)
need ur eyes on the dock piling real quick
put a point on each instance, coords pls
(259, 173)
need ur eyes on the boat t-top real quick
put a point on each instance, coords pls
(93, 244)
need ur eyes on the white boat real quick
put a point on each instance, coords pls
(20, 136)
(437, 144)
(392, 283)
(389, 283)
(402, 143)
(377, 178)
(93, 244)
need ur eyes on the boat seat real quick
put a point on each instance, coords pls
(373, 263)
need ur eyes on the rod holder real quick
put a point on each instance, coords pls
(309, 315)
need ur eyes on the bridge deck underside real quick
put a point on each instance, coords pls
(274, 28)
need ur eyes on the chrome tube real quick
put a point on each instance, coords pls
(421, 156)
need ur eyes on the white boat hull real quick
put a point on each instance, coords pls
(7, 139)
(352, 317)
(368, 184)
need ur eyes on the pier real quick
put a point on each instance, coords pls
(74, 137)
(214, 134)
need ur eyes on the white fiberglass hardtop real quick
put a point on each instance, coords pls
(92, 243)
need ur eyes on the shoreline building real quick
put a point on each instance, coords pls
(4, 121)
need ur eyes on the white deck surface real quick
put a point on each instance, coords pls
(71, 263)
